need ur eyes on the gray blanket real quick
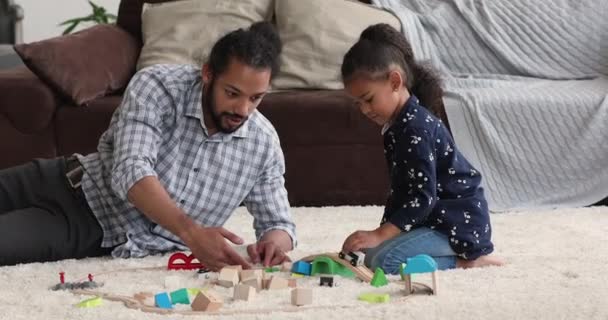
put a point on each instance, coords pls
(526, 92)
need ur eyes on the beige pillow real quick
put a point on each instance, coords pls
(185, 31)
(316, 34)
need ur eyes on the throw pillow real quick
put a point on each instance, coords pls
(316, 34)
(85, 65)
(183, 32)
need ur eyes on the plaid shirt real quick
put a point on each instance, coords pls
(159, 131)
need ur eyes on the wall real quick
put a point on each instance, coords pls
(43, 16)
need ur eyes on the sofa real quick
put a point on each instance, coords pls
(334, 155)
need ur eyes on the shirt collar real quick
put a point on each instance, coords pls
(194, 108)
(401, 120)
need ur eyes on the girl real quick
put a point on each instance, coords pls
(436, 205)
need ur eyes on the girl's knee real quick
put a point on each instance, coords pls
(386, 262)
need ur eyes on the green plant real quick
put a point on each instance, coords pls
(99, 16)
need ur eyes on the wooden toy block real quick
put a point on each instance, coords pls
(244, 292)
(237, 267)
(373, 297)
(301, 267)
(193, 291)
(301, 296)
(90, 303)
(266, 275)
(265, 283)
(207, 301)
(292, 283)
(401, 271)
(228, 277)
(277, 283)
(379, 278)
(254, 282)
(286, 266)
(162, 300)
(246, 274)
(180, 296)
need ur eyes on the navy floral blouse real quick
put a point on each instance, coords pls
(433, 185)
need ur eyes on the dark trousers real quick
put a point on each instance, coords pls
(42, 218)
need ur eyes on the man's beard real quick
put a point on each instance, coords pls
(209, 103)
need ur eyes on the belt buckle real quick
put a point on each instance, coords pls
(75, 173)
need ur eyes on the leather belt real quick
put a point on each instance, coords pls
(74, 171)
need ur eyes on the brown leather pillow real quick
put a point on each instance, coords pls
(85, 65)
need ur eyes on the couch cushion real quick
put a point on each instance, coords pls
(26, 102)
(17, 147)
(326, 175)
(333, 153)
(84, 65)
(316, 34)
(129, 15)
(199, 25)
(78, 129)
(318, 118)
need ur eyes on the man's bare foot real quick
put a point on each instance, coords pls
(483, 261)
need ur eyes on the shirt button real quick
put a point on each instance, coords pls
(196, 169)
(182, 201)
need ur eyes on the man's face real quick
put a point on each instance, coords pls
(233, 95)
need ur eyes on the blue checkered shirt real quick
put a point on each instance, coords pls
(159, 131)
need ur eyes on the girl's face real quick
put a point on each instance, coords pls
(380, 100)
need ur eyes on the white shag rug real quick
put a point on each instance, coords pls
(557, 269)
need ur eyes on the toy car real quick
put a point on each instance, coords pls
(354, 257)
(327, 281)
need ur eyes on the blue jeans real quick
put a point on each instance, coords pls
(391, 253)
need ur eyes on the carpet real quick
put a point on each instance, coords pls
(556, 269)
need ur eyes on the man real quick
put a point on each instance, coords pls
(182, 152)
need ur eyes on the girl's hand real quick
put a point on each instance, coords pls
(362, 239)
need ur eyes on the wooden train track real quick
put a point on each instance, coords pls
(362, 272)
(132, 303)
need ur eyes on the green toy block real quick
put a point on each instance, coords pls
(401, 273)
(326, 265)
(375, 297)
(180, 296)
(379, 278)
(89, 303)
(272, 269)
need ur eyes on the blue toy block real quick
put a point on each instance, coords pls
(301, 267)
(421, 263)
(162, 300)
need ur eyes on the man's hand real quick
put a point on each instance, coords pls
(210, 247)
(267, 253)
(362, 239)
(271, 249)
